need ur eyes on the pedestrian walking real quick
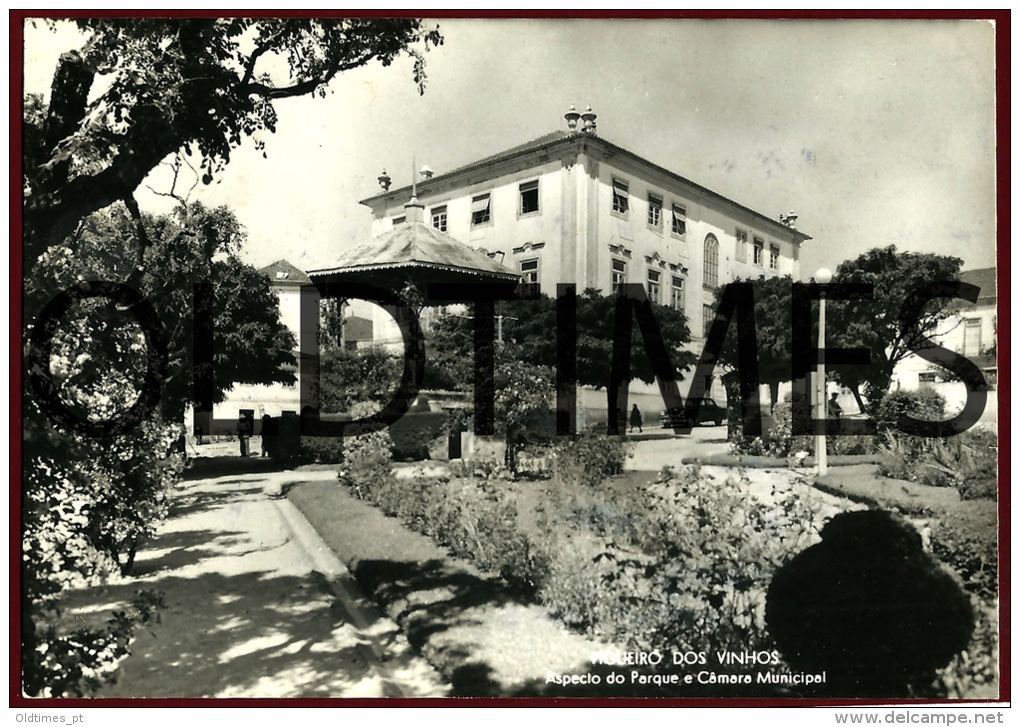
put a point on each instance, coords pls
(635, 419)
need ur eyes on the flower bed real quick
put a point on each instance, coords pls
(684, 562)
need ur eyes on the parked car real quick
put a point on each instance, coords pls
(708, 411)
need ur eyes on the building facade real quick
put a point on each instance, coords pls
(572, 207)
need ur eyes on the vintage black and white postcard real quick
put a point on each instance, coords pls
(491, 357)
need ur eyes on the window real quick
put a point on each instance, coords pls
(707, 316)
(619, 276)
(774, 257)
(529, 197)
(654, 210)
(399, 220)
(679, 220)
(972, 337)
(529, 271)
(759, 251)
(677, 294)
(741, 246)
(711, 262)
(653, 285)
(439, 218)
(621, 197)
(480, 209)
(926, 377)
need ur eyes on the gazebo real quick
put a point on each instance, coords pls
(403, 266)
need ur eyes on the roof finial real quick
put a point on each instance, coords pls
(572, 116)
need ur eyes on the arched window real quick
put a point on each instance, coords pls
(711, 262)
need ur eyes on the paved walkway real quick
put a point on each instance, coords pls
(257, 605)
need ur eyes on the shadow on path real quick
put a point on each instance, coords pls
(247, 612)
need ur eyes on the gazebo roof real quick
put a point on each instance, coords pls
(413, 251)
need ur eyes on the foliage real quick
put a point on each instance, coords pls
(924, 403)
(974, 672)
(474, 519)
(696, 573)
(321, 450)
(347, 377)
(331, 324)
(966, 538)
(773, 320)
(522, 401)
(75, 664)
(779, 440)
(367, 463)
(449, 354)
(587, 458)
(164, 257)
(141, 89)
(414, 432)
(526, 326)
(88, 504)
(874, 323)
(967, 461)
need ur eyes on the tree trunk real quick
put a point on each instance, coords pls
(855, 390)
(773, 395)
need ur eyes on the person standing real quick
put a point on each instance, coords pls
(635, 419)
(835, 410)
(245, 429)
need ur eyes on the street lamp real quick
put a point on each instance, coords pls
(823, 276)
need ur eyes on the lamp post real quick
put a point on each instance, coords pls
(823, 276)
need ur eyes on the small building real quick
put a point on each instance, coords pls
(970, 331)
(287, 281)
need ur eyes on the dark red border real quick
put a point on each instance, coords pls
(1002, 83)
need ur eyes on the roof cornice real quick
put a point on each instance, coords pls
(578, 138)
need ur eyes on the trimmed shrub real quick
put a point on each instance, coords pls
(779, 441)
(414, 432)
(921, 404)
(321, 450)
(587, 458)
(473, 520)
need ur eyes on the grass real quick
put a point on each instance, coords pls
(463, 621)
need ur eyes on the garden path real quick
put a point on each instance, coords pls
(257, 605)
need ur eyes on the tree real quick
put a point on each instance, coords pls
(164, 257)
(874, 324)
(141, 89)
(530, 332)
(522, 400)
(773, 325)
(88, 503)
(347, 378)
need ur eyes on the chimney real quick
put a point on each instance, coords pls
(426, 172)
